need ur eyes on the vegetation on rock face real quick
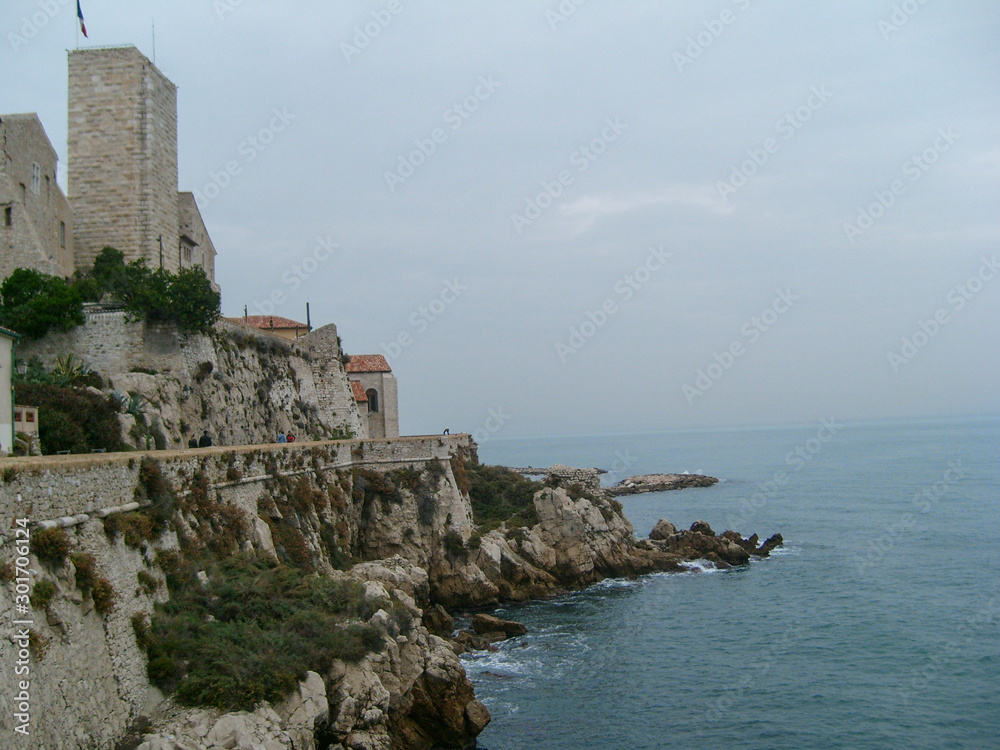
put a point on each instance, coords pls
(500, 495)
(42, 594)
(72, 419)
(185, 298)
(253, 632)
(32, 303)
(50, 545)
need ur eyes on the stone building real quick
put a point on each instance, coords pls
(196, 247)
(123, 163)
(7, 341)
(376, 382)
(122, 175)
(36, 221)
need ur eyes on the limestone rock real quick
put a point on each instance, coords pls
(662, 530)
(483, 624)
(301, 712)
(398, 573)
(437, 620)
(659, 483)
(701, 527)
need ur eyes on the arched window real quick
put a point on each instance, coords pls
(372, 399)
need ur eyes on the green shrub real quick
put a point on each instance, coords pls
(143, 633)
(407, 477)
(373, 485)
(576, 492)
(50, 545)
(269, 624)
(135, 528)
(147, 581)
(304, 497)
(73, 419)
(500, 495)
(154, 489)
(104, 596)
(453, 543)
(185, 298)
(32, 303)
(86, 570)
(42, 594)
(458, 468)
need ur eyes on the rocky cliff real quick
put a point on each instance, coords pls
(139, 532)
(241, 385)
(118, 536)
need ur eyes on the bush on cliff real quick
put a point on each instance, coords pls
(253, 632)
(32, 303)
(185, 298)
(500, 495)
(72, 419)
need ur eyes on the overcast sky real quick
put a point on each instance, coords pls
(592, 216)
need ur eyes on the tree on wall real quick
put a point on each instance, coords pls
(186, 298)
(194, 303)
(32, 303)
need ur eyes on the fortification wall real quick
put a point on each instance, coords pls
(91, 683)
(241, 385)
(59, 490)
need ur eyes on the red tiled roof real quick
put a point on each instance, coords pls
(359, 391)
(266, 322)
(368, 363)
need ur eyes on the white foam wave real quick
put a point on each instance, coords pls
(701, 566)
(615, 583)
(785, 549)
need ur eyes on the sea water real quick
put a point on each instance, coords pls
(876, 625)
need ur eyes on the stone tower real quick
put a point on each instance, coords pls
(122, 167)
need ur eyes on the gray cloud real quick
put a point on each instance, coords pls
(690, 126)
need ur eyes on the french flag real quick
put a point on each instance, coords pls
(79, 14)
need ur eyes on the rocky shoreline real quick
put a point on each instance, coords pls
(426, 539)
(659, 483)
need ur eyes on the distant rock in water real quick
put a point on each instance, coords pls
(659, 483)
(701, 543)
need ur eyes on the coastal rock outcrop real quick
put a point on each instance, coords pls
(483, 624)
(414, 694)
(701, 542)
(659, 483)
(396, 517)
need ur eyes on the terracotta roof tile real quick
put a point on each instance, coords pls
(359, 391)
(368, 363)
(264, 322)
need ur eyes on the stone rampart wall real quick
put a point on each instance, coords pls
(92, 683)
(64, 489)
